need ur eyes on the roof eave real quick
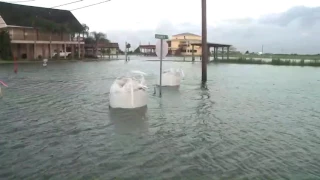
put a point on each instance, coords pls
(19, 26)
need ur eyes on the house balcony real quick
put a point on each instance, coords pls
(34, 35)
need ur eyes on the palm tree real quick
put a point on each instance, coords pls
(85, 30)
(45, 25)
(51, 28)
(97, 36)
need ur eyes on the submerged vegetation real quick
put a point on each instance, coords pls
(273, 61)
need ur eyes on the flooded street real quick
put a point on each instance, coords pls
(254, 121)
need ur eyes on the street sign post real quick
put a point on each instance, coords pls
(161, 51)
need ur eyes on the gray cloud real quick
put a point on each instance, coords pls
(294, 31)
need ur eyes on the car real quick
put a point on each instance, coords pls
(62, 54)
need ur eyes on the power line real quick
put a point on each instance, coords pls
(90, 5)
(18, 1)
(66, 4)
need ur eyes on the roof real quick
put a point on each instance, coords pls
(103, 45)
(113, 45)
(186, 34)
(147, 46)
(212, 44)
(39, 17)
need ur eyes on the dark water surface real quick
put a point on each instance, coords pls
(254, 122)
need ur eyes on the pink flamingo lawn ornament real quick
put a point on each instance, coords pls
(0, 87)
(3, 83)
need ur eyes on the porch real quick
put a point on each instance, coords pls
(44, 49)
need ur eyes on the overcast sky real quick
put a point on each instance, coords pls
(282, 26)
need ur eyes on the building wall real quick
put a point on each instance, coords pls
(187, 41)
(113, 51)
(189, 37)
(19, 33)
(35, 50)
(2, 23)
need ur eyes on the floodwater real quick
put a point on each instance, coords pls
(253, 122)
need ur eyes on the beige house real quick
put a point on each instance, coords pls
(108, 47)
(38, 32)
(180, 44)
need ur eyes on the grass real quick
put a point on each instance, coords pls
(279, 56)
(295, 62)
(274, 61)
(241, 60)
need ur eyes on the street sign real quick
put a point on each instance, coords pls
(161, 51)
(165, 48)
(161, 36)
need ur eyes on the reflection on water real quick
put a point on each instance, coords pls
(168, 90)
(129, 120)
(170, 96)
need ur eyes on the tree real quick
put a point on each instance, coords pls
(109, 52)
(85, 30)
(95, 39)
(5, 45)
(232, 48)
(89, 40)
(97, 36)
(45, 25)
(247, 52)
(137, 51)
(103, 52)
(104, 40)
(120, 51)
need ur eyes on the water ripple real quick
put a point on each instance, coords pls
(55, 123)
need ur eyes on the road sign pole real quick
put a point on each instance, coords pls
(125, 51)
(161, 50)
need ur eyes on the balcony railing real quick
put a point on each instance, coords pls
(34, 35)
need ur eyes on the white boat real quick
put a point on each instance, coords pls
(129, 92)
(172, 77)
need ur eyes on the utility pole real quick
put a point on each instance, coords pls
(204, 41)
